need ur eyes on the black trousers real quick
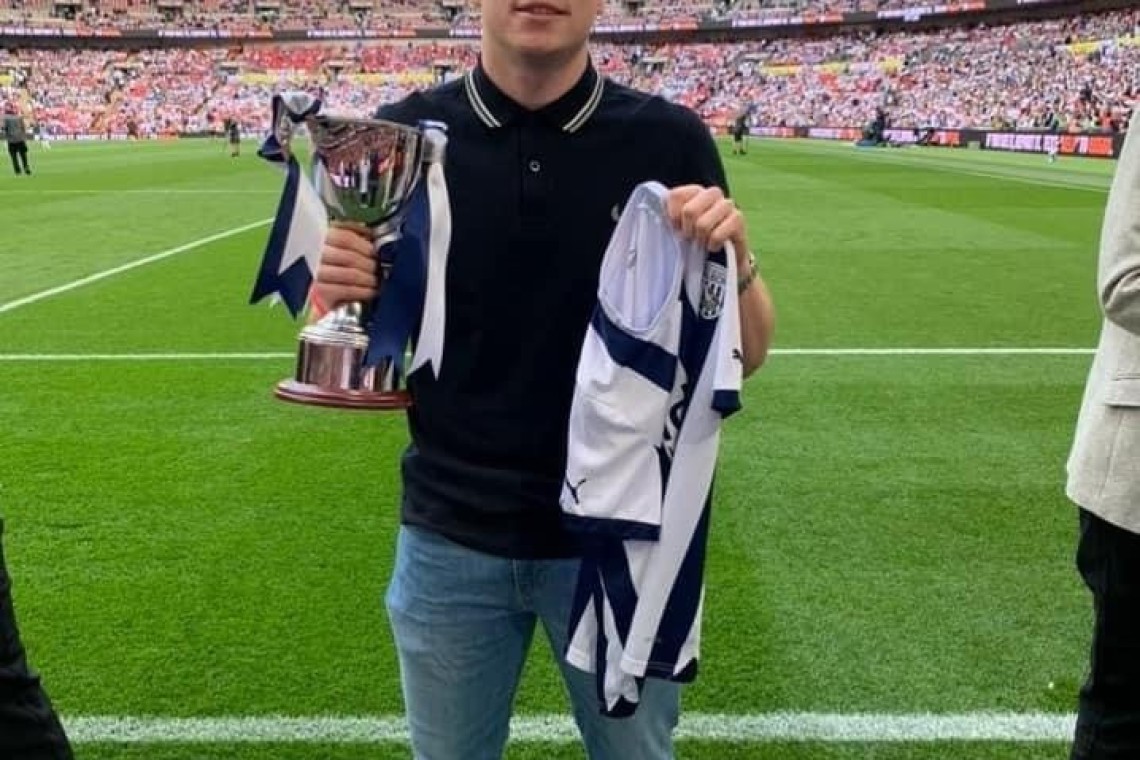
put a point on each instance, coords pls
(29, 726)
(1108, 715)
(18, 152)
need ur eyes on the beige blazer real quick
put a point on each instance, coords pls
(1104, 464)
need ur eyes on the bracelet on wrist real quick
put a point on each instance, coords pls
(745, 280)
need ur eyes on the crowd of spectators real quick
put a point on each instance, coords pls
(1077, 73)
(261, 17)
(1080, 73)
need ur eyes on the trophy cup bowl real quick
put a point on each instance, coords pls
(364, 171)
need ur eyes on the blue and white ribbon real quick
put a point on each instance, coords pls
(414, 291)
(294, 249)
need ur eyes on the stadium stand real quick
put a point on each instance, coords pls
(1076, 73)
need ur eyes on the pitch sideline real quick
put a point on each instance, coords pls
(277, 355)
(557, 729)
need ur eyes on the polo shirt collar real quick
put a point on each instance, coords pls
(570, 112)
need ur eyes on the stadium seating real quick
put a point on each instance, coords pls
(1080, 71)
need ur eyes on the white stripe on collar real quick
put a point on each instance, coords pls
(488, 118)
(477, 103)
(588, 108)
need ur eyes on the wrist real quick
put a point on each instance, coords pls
(746, 272)
(316, 303)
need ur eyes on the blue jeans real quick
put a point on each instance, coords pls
(463, 622)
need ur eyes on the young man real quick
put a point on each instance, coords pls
(29, 726)
(1104, 483)
(16, 135)
(543, 153)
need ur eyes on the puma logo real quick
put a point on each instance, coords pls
(573, 489)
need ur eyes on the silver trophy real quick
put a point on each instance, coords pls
(364, 171)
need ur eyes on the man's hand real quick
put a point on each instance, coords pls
(705, 216)
(348, 267)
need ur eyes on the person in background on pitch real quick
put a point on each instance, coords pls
(233, 132)
(42, 136)
(542, 153)
(1104, 483)
(29, 726)
(16, 135)
(740, 133)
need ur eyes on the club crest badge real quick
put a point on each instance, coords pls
(712, 290)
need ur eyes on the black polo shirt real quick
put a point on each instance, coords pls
(534, 199)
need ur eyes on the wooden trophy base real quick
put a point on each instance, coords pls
(337, 398)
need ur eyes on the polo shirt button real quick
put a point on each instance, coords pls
(534, 166)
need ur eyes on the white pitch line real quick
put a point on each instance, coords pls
(772, 727)
(158, 357)
(275, 355)
(66, 287)
(947, 351)
(138, 191)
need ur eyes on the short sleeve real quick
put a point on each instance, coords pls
(700, 162)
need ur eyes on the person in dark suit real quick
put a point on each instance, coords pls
(16, 135)
(29, 726)
(1104, 483)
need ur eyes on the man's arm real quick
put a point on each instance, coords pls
(715, 220)
(757, 315)
(1118, 272)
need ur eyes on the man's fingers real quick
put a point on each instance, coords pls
(729, 229)
(348, 268)
(349, 239)
(346, 258)
(677, 198)
(696, 209)
(709, 222)
(331, 274)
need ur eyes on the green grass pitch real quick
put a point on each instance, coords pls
(890, 535)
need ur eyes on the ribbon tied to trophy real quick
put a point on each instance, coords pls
(384, 178)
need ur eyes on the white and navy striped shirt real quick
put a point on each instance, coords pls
(660, 368)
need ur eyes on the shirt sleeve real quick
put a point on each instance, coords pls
(700, 162)
(401, 111)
